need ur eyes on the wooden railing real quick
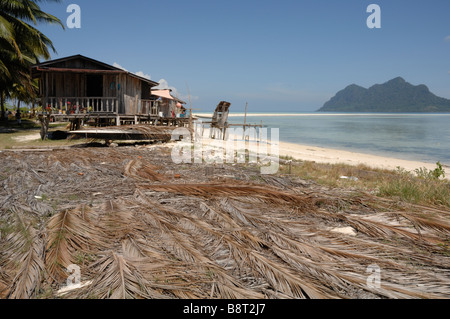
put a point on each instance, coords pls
(149, 107)
(80, 105)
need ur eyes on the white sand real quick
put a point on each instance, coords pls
(334, 156)
(27, 138)
(206, 114)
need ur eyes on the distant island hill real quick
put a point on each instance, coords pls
(394, 96)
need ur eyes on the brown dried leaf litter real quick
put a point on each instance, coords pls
(139, 226)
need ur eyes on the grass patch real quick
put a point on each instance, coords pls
(418, 187)
(426, 189)
(360, 176)
(13, 136)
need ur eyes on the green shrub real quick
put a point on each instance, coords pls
(437, 173)
(423, 187)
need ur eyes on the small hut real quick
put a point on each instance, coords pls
(220, 117)
(219, 121)
(81, 85)
(167, 105)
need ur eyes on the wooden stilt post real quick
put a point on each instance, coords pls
(245, 121)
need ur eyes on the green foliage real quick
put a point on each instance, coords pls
(422, 186)
(437, 173)
(21, 45)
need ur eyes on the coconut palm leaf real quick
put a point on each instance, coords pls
(139, 170)
(22, 259)
(4, 290)
(118, 278)
(432, 223)
(378, 229)
(69, 232)
(266, 194)
(28, 279)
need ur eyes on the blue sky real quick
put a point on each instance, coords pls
(276, 55)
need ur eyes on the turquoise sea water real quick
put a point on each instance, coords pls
(420, 137)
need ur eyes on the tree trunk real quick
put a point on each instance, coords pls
(45, 122)
(2, 102)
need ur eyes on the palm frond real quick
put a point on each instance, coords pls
(23, 260)
(118, 278)
(139, 170)
(69, 232)
(29, 276)
(267, 194)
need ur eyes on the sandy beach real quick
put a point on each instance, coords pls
(312, 114)
(324, 155)
(334, 156)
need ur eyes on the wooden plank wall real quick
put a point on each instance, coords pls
(127, 89)
(66, 85)
(109, 85)
(131, 95)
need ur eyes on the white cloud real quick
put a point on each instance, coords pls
(447, 38)
(164, 85)
(117, 65)
(143, 75)
(139, 73)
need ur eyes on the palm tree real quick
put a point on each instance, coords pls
(21, 44)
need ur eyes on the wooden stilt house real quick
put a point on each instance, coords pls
(77, 86)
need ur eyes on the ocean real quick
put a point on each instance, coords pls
(418, 137)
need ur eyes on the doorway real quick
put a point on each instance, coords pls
(94, 84)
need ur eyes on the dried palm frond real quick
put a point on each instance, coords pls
(23, 251)
(383, 230)
(117, 219)
(175, 241)
(28, 279)
(118, 278)
(132, 249)
(276, 274)
(436, 224)
(267, 194)
(224, 239)
(69, 232)
(4, 290)
(139, 170)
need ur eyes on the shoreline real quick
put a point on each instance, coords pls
(241, 114)
(324, 154)
(336, 156)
